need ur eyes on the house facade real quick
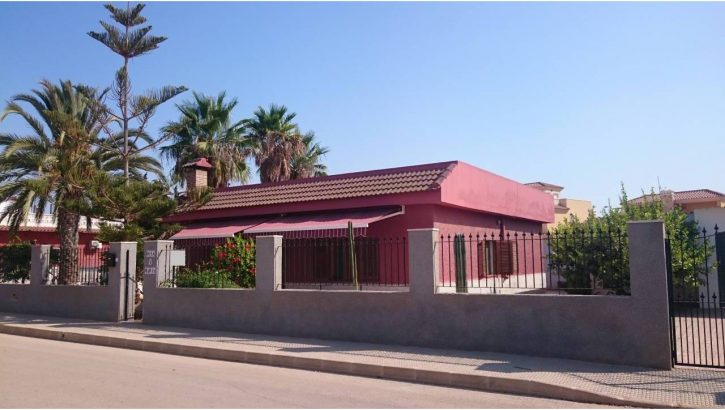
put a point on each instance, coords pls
(707, 208)
(454, 197)
(382, 205)
(43, 231)
(563, 207)
(689, 201)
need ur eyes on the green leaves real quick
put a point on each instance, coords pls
(127, 42)
(143, 106)
(608, 238)
(205, 129)
(52, 165)
(127, 17)
(276, 142)
(308, 164)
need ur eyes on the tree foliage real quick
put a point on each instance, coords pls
(276, 141)
(132, 112)
(594, 254)
(205, 129)
(232, 265)
(15, 263)
(309, 163)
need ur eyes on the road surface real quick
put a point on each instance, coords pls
(44, 373)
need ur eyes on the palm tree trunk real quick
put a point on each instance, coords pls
(68, 223)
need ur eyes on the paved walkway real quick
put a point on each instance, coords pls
(147, 380)
(546, 377)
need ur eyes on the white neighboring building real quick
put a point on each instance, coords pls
(707, 208)
(43, 231)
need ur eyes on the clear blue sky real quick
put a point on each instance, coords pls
(579, 95)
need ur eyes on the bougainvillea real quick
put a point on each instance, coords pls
(236, 257)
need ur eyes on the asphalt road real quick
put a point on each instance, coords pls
(43, 373)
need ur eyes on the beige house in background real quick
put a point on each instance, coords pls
(563, 207)
(689, 201)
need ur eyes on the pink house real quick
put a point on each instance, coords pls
(454, 197)
(451, 196)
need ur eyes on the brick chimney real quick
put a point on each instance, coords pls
(668, 200)
(197, 173)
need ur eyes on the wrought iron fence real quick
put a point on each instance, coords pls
(15, 263)
(329, 263)
(78, 266)
(696, 265)
(572, 262)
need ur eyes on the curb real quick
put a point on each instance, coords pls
(496, 384)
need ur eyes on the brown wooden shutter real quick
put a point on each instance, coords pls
(504, 257)
(481, 257)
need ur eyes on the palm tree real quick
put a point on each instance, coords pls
(50, 167)
(205, 129)
(308, 163)
(276, 142)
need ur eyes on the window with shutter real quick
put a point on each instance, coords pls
(481, 257)
(505, 257)
(484, 256)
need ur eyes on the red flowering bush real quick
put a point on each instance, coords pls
(236, 258)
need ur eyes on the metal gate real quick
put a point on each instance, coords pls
(126, 285)
(696, 282)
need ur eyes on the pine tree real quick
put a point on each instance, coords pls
(131, 41)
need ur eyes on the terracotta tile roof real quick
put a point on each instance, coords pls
(199, 163)
(354, 185)
(684, 196)
(698, 194)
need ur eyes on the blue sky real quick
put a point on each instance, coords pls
(579, 95)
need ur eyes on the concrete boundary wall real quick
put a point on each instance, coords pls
(84, 302)
(630, 330)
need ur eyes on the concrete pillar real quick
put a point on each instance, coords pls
(39, 264)
(122, 277)
(156, 264)
(648, 285)
(269, 263)
(647, 259)
(424, 254)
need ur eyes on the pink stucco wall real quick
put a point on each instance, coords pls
(474, 188)
(452, 221)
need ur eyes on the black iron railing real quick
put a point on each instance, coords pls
(696, 265)
(327, 263)
(574, 262)
(78, 266)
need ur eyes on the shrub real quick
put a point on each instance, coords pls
(593, 255)
(237, 258)
(232, 265)
(202, 276)
(15, 263)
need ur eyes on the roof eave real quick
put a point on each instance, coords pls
(431, 196)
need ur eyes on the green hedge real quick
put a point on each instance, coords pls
(15, 263)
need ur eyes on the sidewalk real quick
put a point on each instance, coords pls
(544, 377)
